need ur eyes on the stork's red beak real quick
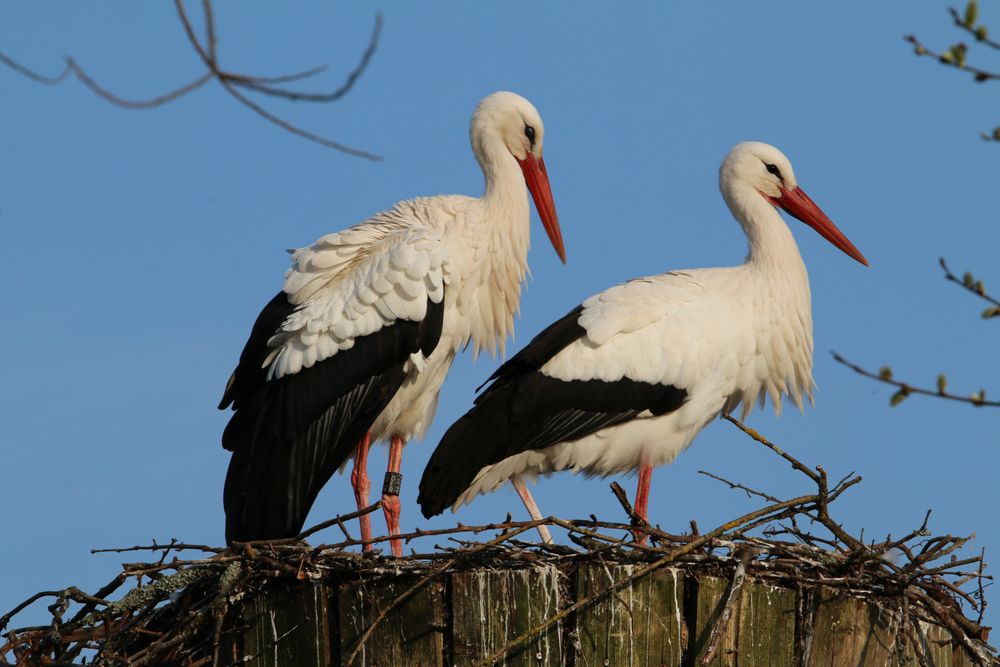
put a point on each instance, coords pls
(538, 183)
(800, 206)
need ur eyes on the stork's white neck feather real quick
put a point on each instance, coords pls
(774, 270)
(505, 197)
(772, 248)
(498, 228)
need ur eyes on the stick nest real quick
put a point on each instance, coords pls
(178, 608)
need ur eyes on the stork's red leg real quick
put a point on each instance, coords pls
(641, 505)
(390, 492)
(529, 504)
(361, 484)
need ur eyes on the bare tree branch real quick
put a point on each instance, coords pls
(969, 283)
(206, 6)
(294, 129)
(261, 86)
(229, 81)
(737, 486)
(160, 100)
(732, 597)
(33, 75)
(950, 59)
(284, 78)
(905, 388)
(963, 23)
(956, 55)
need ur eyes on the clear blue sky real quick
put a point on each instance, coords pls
(138, 246)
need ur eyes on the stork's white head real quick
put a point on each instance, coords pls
(511, 120)
(755, 167)
(504, 126)
(759, 165)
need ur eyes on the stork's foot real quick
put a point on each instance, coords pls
(391, 508)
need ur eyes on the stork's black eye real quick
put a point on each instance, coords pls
(771, 169)
(530, 133)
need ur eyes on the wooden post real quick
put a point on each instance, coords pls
(663, 619)
(641, 624)
(287, 624)
(761, 630)
(489, 608)
(410, 634)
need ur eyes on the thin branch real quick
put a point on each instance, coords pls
(819, 477)
(977, 73)
(284, 78)
(961, 24)
(261, 86)
(732, 597)
(5, 619)
(908, 388)
(33, 75)
(637, 521)
(206, 8)
(72, 593)
(798, 465)
(208, 54)
(913, 634)
(260, 111)
(980, 594)
(160, 100)
(228, 82)
(192, 38)
(337, 521)
(970, 284)
(746, 489)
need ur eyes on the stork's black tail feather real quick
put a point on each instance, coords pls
(461, 454)
(289, 435)
(484, 435)
(272, 482)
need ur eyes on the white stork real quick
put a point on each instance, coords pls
(356, 346)
(628, 379)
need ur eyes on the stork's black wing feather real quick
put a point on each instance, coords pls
(547, 344)
(289, 435)
(250, 372)
(525, 410)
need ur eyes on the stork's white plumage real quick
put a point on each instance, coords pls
(629, 378)
(356, 346)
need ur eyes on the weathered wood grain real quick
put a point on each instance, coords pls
(708, 595)
(959, 658)
(761, 631)
(492, 607)
(766, 632)
(851, 631)
(410, 635)
(937, 645)
(640, 624)
(661, 619)
(286, 625)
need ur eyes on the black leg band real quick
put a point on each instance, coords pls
(393, 482)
